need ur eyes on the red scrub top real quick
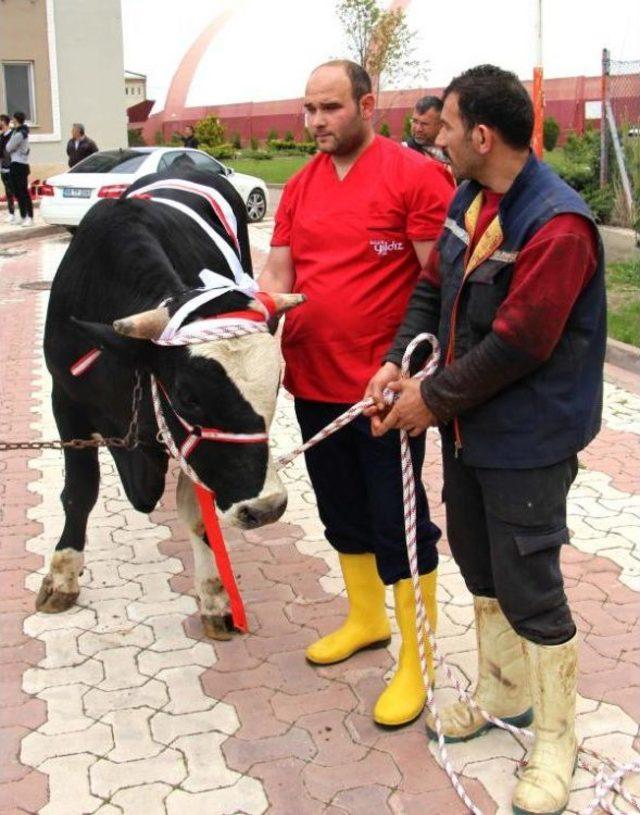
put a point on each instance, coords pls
(350, 242)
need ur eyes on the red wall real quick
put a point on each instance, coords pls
(564, 100)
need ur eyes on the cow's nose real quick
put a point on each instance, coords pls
(261, 511)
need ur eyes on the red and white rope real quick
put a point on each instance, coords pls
(610, 773)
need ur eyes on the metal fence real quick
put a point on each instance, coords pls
(620, 135)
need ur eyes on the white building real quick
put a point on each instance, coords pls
(61, 62)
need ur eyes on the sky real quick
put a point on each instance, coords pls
(267, 49)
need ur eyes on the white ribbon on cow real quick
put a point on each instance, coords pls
(232, 258)
(215, 285)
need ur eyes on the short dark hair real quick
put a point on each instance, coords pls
(19, 117)
(79, 126)
(4, 118)
(359, 78)
(426, 103)
(487, 95)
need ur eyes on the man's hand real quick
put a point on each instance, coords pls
(378, 382)
(409, 413)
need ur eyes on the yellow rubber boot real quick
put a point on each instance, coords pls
(404, 697)
(367, 625)
(545, 781)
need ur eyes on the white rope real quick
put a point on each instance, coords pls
(610, 773)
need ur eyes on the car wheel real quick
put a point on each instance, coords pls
(256, 205)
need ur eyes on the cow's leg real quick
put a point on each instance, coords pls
(60, 588)
(212, 598)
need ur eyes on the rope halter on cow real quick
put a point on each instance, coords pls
(156, 325)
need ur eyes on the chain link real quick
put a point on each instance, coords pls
(129, 442)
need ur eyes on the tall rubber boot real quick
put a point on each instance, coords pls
(545, 782)
(403, 699)
(502, 687)
(367, 625)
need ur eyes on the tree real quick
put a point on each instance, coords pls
(209, 131)
(384, 130)
(550, 133)
(380, 41)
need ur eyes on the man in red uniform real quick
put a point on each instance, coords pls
(515, 292)
(352, 232)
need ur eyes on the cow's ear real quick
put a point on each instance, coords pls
(131, 352)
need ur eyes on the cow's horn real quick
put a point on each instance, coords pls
(148, 325)
(284, 302)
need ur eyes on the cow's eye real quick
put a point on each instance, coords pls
(188, 401)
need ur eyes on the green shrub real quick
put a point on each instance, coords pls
(272, 135)
(600, 201)
(175, 139)
(158, 138)
(210, 131)
(134, 137)
(258, 155)
(292, 148)
(236, 141)
(222, 151)
(255, 144)
(384, 129)
(406, 127)
(288, 136)
(550, 133)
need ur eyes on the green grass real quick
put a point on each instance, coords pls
(274, 171)
(623, 301)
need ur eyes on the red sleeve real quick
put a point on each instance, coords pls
(284, 217)
(427, 200)
(550, 273)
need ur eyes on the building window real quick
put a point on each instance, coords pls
(19, 90)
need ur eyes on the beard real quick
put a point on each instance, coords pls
(342, 145)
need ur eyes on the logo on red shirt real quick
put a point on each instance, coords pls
(383, 247)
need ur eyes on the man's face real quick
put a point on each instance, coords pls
(75, 133)
(335, 120)
(425, 126)
(456, 139)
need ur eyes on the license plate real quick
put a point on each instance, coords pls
(76, 192)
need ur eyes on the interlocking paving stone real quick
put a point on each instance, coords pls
(123, 692)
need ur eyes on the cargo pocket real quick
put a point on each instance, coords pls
(540, 580)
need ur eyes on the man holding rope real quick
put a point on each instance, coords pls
(515, 292)
(352, 232)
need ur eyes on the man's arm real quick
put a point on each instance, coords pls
(278, 274)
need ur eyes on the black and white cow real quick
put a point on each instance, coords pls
(144, 254)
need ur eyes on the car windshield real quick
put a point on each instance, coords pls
(111, 161)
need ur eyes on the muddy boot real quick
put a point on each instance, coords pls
(502, 687)
(545, 782)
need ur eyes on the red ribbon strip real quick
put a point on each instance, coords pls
(216, 542)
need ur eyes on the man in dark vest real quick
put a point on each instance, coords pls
(515, 293)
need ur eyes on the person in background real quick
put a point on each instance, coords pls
(79, 145)
(425, 125)
(515, 292)
(189, 138)
(353, 229)
(18, 149)
(5, 162)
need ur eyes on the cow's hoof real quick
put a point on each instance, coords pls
(217, 626)
(51, 601)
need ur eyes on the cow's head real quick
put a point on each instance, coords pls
(226, 384)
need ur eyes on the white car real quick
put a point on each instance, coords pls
(65, 198)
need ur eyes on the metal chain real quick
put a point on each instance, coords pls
(128, 442)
